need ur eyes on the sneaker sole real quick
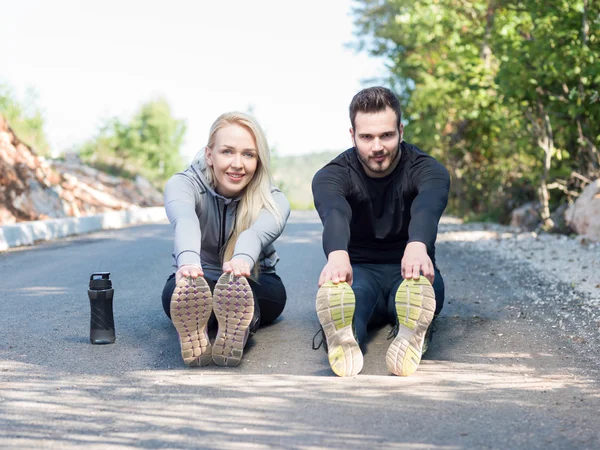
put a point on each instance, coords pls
(335, 309)
(415, 306)
(191, 306)
(233, 304)
(427, 338)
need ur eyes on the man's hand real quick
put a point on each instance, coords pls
(188, 271)
(337, 269)
(417, 261)
(238, 267)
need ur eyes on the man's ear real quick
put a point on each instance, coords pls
(208, 156)
(352, 136)
(401, 131)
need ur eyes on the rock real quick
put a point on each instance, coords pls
(72, 158)
(583, 216)
(558, 219)
(39, 202)
(33, 188)
(6, 216)
(145, 188)
(526, 216)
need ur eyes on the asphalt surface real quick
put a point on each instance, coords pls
(496, 376)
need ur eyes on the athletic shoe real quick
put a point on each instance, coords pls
(429, 336)
(191, 306)
(415, 306)
(322, 342)
(335, 309)
(233, 303)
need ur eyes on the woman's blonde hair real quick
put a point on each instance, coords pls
(256, 196)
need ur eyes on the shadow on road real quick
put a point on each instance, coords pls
(494, 377)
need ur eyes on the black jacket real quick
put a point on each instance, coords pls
(414, 201)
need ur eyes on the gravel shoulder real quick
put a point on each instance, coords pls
(568, 298)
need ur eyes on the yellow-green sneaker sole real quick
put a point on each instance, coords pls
(335, 309)
(415, 307)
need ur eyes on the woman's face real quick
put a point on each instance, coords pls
(234, 158)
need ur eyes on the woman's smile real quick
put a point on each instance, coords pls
(233, 158)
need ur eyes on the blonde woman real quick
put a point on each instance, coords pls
(226, 215)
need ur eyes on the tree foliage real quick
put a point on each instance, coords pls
(25, 118)
(148, 144)
(505, 93)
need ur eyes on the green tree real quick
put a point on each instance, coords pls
(25, 118)
(464, 72)
(555, 86)
(149, 144)
(441, 64)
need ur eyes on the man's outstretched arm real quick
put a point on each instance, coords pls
(432, 182)
(330, 187)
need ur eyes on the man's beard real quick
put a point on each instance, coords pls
(376, 167)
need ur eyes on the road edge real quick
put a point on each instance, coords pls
(29, 233)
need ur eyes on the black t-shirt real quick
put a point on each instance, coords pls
(373, 219)
(380, 192)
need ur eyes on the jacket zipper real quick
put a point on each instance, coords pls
(222, 238)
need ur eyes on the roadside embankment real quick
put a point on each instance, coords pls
(30, 233)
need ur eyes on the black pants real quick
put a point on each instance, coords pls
(269, 299)
(375, 287)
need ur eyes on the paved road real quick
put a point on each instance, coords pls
(495, 376)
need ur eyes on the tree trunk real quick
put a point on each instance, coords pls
(547, 144)
(486, 51)
(545, 138)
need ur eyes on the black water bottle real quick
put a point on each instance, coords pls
(102, 324)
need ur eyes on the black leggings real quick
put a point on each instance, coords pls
(269, 298)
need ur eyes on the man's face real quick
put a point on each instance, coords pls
(377, 141)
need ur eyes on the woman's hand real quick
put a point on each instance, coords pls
(238, 267)
(188, 271)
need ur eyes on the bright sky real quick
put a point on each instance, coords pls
(90, 60)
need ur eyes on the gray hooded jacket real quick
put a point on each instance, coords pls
(203, 220)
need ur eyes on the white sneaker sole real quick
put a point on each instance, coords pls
(233, 304)
(191, 306)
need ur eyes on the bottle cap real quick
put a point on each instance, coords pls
(100, 280)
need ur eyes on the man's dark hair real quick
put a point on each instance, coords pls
(375, 99)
